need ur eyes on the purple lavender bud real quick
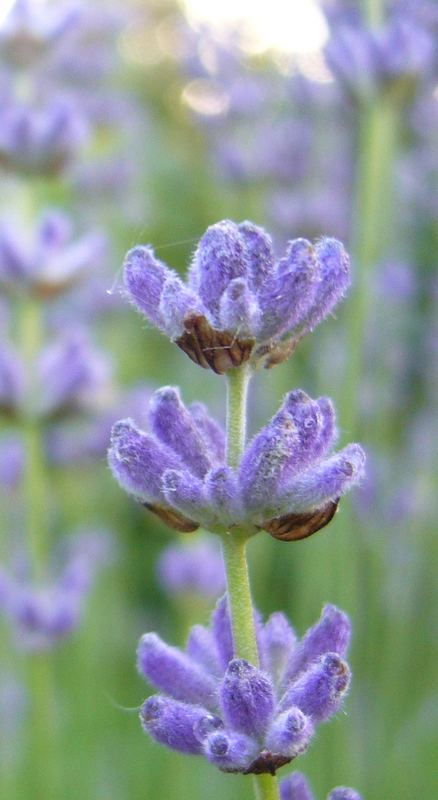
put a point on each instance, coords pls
(331, 633)
(230, 752)
(137, 461)
(71, 374)
(176, 304)
(247, 698)
(292, 293)
(144, 278)
(201, 647)
(186, 494)
(12, 379)
(172, 723)
(319, 691)
(260, 255)
(290, 733)
(277, 643)
(265, 459)
(239, 311)
(334, 271)
(344, 793)
(322, 483)
(223, 493)
(174, 672)
(222, 632)
(220, 257)
(173, 425)
(196, 568)
(295, 787)
(212, 433)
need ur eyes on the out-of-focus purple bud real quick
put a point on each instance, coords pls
(247, 698)
(71, 375)
(31, 30)
(319, 691)
(393, 58)
(40, 142)
(196, 568)
(172, 723)
(295, 787)
(221, 629)
(344, 793)
(201, 647)
(240, 304)
(172, 671)
(48, 261)
(278, 642)
(40, 614)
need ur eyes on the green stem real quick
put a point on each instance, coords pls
(266, 787)
(377, 149)
(374, 12)
(234, 552)
(42, 729)
(237, 390)
(239, 596)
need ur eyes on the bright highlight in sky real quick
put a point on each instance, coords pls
(287, 26)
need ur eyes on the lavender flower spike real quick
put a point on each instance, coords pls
(295, 787)
(240, 303)
(196, 569)
(287, 483)
(240, 717)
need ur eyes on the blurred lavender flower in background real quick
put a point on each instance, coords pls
(46, 260)
(287, 484)
(42, 613)
(40, 141)
(392, 59)
(240, 717)
(296, 787)
(29, 31)
(192, 569)
(240, 304)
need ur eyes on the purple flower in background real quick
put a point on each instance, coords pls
(393, 58)
(39, 141)
(71, 375)
(240, 303)
(241, 717)
(48, 260)
(286, 484)
(31, 29)
(42, 613)
(296, 787)
(11, 459)
(196, 568)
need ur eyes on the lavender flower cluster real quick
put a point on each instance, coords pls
(287, 483)
(244, 718)
(240, 304)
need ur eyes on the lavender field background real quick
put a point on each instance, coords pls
(141, 122)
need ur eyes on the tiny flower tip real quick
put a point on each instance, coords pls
(218, 744)
(137, 260)
(151, 708)
(205, 726)
(344, 793)
(295, 721)
(168, 394)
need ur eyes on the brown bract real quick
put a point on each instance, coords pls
(173, 519)
(292, 527)
(210, 348)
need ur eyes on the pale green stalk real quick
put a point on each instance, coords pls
(42, 732)
(234, 552)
